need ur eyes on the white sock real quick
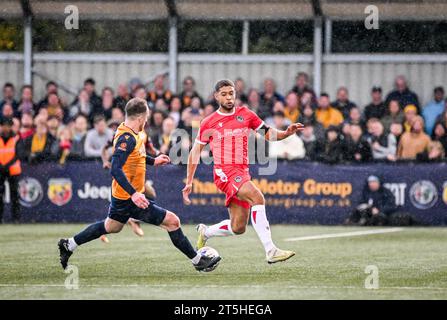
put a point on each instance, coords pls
(221, 229)
(196, 259)
(72, 245)
(262, 227)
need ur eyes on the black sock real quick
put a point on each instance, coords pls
(92, 232)
(182, 243)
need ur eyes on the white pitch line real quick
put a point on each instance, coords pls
(345, 234)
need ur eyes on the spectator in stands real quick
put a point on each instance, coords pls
(292, 107)
(7, 111)
(10, 167)
(393, 114)
(140, 92)
(308, 116)
(312, 143)
(326, 114)
(164, 140)
(55, 107)
(156, 123)
(383, 145)
(440, 134)
(37, 148)
(239, 86)
(355, 117)
(122, 96)
(159, 91)
(410, 113)
(16, 126)
(302, 86)
(355, 147)
(51, 88)
(189, 92)
(376, 207)
(397, 129)
(376, 108)
(208, 109)
(257, 105)
(82, 105)
(26, 125)
(434, 153)
(402, 93)
(433, 110)
(78, 136)
(117, 115)
(342, 103)
(442, 118)
(8, 97)
(26, 104)
(62, 147)
(291, 148)
(107, 102)
(97, 137)
(413, 142)
(95, 100)
(269, 96)
(175, 108)
(53, 124)
(333, 151)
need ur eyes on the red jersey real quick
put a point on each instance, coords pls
(227, 134)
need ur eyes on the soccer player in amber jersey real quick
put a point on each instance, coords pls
(128, 201)
(227, 131)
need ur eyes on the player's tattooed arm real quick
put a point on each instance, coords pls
(277, 135)
(124, 146)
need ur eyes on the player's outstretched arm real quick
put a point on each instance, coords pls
(277, 135)
(193, 161)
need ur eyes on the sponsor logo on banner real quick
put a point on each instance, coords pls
(60, 191)
(423, 194)
(444, 193)
(398, 189)
(94, 192)
(30, 192)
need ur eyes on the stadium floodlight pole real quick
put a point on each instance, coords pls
(327, 35)
(317, 56)
(173, 54)
(245, 37)
(27, 43)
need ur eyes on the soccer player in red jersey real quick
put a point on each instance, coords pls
(227, 131)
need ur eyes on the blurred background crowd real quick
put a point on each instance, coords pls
(394, 126)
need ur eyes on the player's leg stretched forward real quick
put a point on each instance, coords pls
(239, 215)
(153, 215)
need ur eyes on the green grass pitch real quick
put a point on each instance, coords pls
(412, 264)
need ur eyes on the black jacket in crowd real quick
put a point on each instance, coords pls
(361, 147)
(375, 111)
(406, 97)
(383, 199)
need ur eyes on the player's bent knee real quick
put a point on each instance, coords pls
(238, 229)
(171, 221)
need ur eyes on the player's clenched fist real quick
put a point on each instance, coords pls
(186, 191)
(162, 160)
(140, 200)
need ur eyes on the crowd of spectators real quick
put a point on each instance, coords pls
(391, 127)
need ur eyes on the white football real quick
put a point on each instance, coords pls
(208, 252)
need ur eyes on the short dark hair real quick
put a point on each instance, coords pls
(6, 122)
(223, 83)
(439, 89)
(8, 85)
(98, 118)
(89, 81)
(51, 83)
(324, 94)
(136, 107)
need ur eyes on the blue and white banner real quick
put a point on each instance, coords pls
(299, 192)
